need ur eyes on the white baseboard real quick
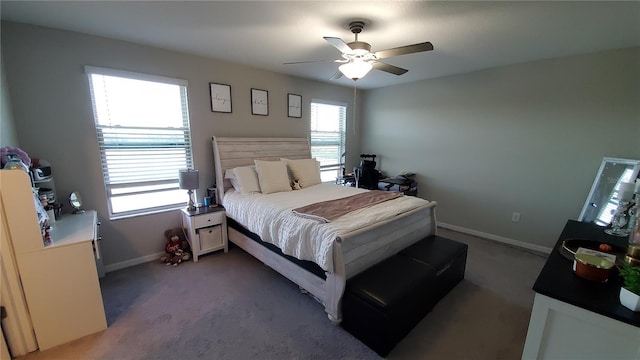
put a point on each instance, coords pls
(133, 262)
(516, 243)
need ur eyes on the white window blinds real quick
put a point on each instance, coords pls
(142, 125)
(328, 133)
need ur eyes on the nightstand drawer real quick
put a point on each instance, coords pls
(207, 220)
(210, 237)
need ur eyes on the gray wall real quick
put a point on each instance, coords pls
(526, 138)
(54, 120)
(8, 136)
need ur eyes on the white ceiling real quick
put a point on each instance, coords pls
(467, 36)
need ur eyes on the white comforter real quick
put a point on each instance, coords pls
(270, 216)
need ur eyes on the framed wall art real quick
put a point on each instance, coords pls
(294, 104)
(259, 102)
(220, 97)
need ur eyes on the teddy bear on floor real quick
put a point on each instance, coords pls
(175, 248)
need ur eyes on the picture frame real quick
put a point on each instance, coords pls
(294, 105)
(220, 97)
(259, 102)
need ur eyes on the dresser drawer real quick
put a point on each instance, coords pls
(207, 220)
(210, 237)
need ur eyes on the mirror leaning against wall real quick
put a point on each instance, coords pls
(604, 198)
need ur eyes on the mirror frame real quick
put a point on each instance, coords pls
(596, 182)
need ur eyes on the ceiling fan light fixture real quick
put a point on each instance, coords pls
(359, 47)
(355, 69)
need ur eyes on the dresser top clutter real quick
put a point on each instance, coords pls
(73, 228)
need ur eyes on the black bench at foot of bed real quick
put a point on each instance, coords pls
(382, 304)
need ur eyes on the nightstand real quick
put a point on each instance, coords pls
(206, 230)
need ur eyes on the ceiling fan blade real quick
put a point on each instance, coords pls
(389, 68)
(408, 49)
(336, 76)
(339, 44)
(311, 61)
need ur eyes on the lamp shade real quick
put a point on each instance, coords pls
(355, 69)
(189, 179)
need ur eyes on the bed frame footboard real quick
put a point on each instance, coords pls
(359, 250)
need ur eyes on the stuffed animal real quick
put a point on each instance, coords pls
(296, 185)
(176, 247)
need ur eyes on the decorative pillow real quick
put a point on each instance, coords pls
(272, 176)
(229, 175)
(244, 179)
(247, 178)
(305, 170)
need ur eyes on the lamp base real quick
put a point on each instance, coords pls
(190, 205)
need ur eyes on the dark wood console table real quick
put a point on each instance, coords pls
(405, 186)
(577, 318)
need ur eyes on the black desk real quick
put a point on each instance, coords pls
(557, 280)
(405, 186)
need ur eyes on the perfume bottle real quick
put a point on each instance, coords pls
(620, 222)
(633, 247)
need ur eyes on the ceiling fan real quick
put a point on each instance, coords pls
(357, 58)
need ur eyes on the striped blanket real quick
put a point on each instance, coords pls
(325, 211)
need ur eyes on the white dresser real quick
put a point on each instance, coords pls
(60, 280)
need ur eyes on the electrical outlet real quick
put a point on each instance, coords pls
(515, 217)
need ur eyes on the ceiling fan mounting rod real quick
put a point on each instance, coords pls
(356, 27)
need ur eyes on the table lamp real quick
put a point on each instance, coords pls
(189, 180)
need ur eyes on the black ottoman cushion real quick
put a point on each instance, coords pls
(382, 304)
(447, 257)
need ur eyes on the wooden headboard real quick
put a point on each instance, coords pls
(231, 152)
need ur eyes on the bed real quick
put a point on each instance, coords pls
(347, 252)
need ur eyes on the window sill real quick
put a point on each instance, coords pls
(146, 213)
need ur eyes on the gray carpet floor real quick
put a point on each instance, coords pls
(231, 306)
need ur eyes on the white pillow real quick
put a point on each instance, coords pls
(244, 179)
(305, 170)
(229, 175)
(272, 176)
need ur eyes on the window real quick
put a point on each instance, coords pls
(328, 124)
(142, 124)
